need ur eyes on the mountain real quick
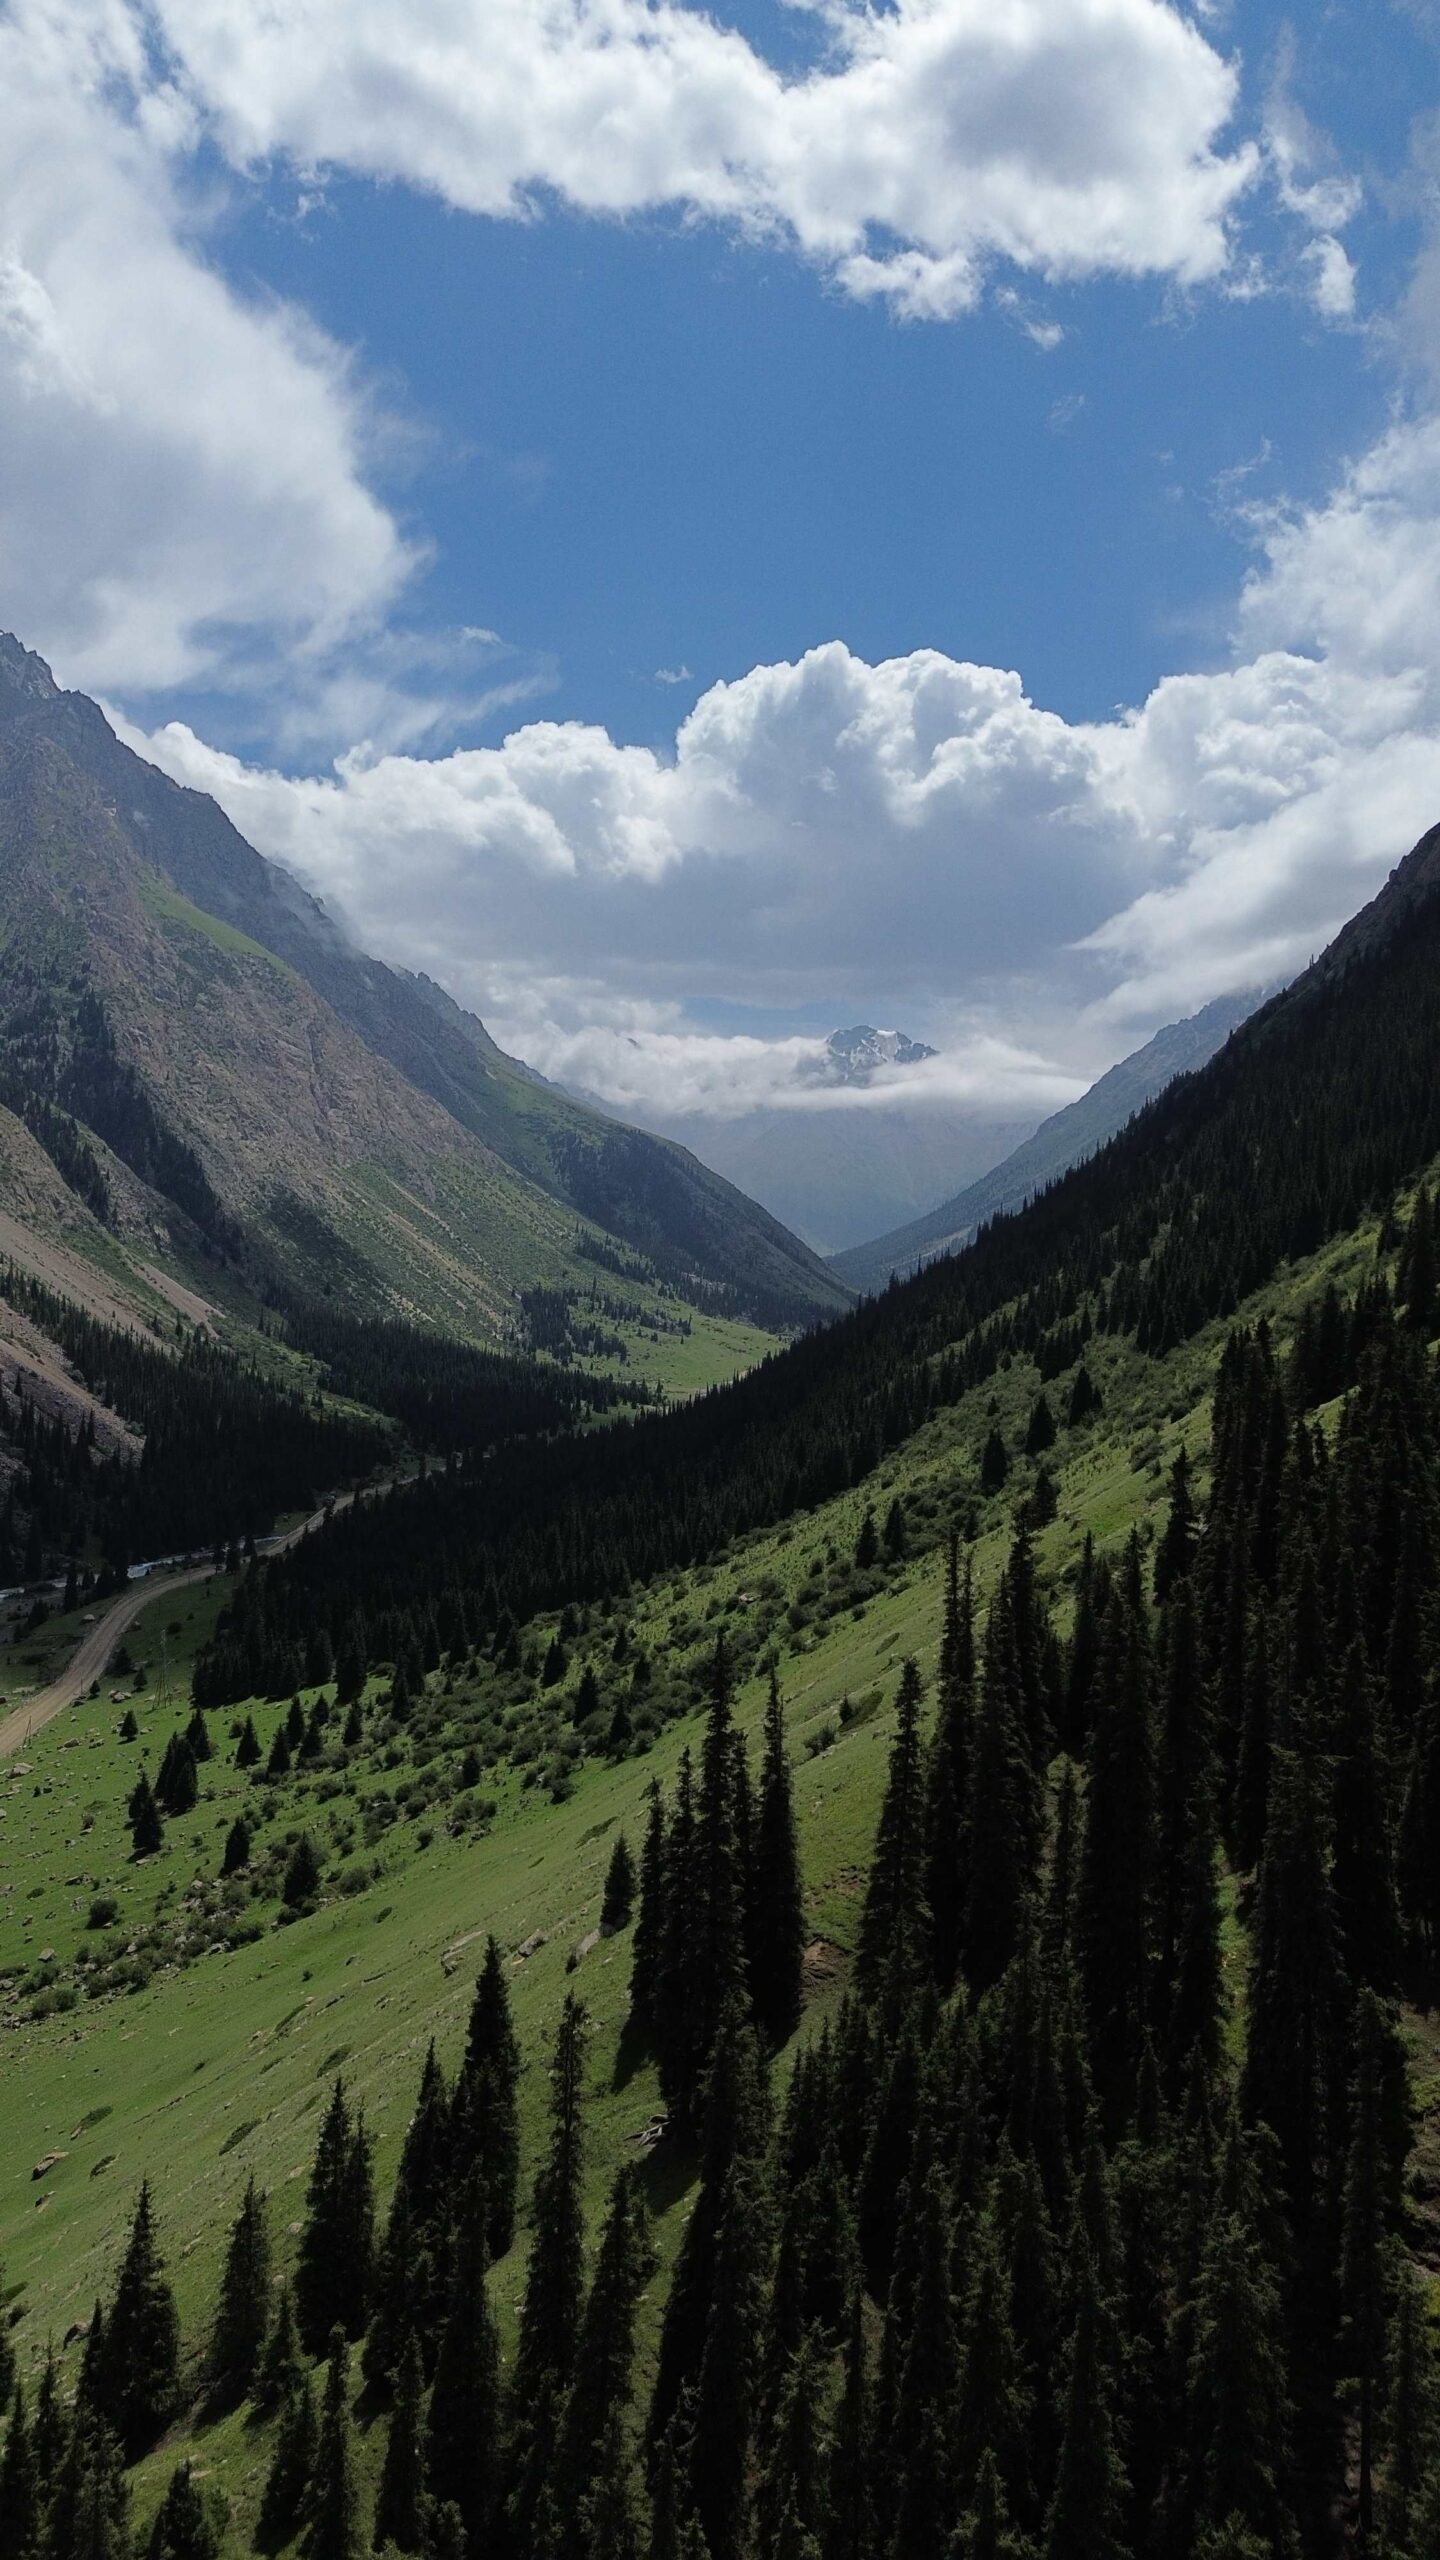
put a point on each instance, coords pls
(858, 1052)
(832, 1165)
(1059, 1142)
(217, 1072)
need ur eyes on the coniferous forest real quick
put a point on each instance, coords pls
(1060, 2238)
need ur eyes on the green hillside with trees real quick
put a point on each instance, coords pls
(842, 1973)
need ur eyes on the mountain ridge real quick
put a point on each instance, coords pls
(141, 882)
(1059, 1142)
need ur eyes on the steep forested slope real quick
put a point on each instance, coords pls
(1315, 1110)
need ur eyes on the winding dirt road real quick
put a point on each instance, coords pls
(87, 1662)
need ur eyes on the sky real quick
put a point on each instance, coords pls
(698, 527)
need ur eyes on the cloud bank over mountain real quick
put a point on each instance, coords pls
(919, 826)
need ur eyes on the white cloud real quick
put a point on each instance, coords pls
(1071, 138)
(179, 470)
(916, 831)
(1313, 189)
(651, 1068)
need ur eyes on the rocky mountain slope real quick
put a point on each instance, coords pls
(215, 1072)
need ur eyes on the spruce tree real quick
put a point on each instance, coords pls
(403, 2510)
(138, 2373)
(605, 2348)
(51, 2431)
(894, 1923)
(1410, 2426)
(1363, 1871)
(550, 2314)
(334, 2528)
(333, 2272)
(948, 1773)
(485, 2126)
(463, 2430)
(1117, 1881)
(1237, 2384)
(1175, 1552)
(1088, 2505)
(292, 2465)
(609, 2520)
(618, 1900)
(790, 2501)
(242, 2316)
(724, 2401)
(1363, 2245)
(714, 1965)
(1003, 1823)
(301, 1884)
(21, 2487)
(184, 2528)
(410, 2273)
(777, 1895)
(849, 2528)
(89, 2514)
(147, 1830)
(237, 1849)
(647, 1944)
(1294, 2060)
(281, 2368)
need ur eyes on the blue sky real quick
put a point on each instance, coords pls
(416, 413)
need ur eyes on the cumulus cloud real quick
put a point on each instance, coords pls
(933, 138)
(180, 470)
(828, 829)
(648, 1068)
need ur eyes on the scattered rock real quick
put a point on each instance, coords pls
(41, 2166)
(77, 2329)
(651, 2133)
(823, 1961)
(528, 1947)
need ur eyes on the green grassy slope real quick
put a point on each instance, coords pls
(219, 2067)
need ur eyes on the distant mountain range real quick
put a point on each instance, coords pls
(196, 1063)
(1058, 1143)
(836, 1174)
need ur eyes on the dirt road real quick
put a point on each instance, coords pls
(90, 1656)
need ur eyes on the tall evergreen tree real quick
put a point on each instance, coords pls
(464, 2430)
(1087, 2508)
(550, 2314)
(605, 2347)
(1294, 2060)
(89, 2513)
(184, 2528)
(1003, 1821)
(1117, 1882)
(292, 2464)
(485, 2121)
(403, 2508)
(777, 1896)
(648, 1942)
(1363, 2254)
(21, 2487)
(948, 1772)
(333, 2272)
(894, 1925)
(334, 2529)
(242, 2315)
(137, 2380)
